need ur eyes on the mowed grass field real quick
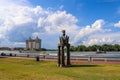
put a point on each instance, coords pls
(22, 69)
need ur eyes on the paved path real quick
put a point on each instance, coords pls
(3, 57)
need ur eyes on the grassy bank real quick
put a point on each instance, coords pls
(22, 69)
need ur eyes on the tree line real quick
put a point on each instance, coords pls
(105, 47)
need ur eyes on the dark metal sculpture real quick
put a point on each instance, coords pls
(64, 42)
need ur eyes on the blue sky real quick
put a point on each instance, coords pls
(87, 22)
(87, 11)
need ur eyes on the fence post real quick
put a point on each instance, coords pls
(89, 59)
(37, 58)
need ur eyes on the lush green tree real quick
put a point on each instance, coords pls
(81, 48)
(72, 48)
(105, 47)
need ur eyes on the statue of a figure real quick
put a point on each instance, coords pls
(64, 42)
(64, 39)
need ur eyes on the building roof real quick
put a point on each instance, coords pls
(36, 39)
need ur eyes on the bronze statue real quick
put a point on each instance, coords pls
(64, 39)
(64, 42)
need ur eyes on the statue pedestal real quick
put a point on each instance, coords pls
(61, 57)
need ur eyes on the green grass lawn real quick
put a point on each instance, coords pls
(22, 69)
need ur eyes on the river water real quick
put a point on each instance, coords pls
(74, 55)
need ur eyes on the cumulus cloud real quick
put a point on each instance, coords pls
(56, 21)
(20, 20)
(98, 41)
(88, 30)
(117, 24)
(109, 38)
(97, 34)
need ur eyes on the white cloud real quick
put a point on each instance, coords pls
(96, 27)
(57, 21)
(20, 20)
(103, 38)
(117, 24)
(98, 24)
(98, 41)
